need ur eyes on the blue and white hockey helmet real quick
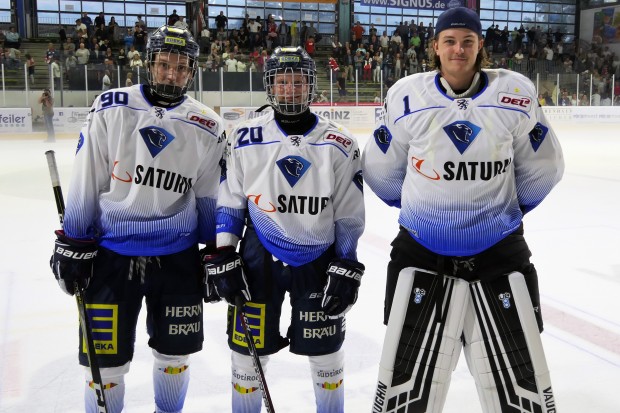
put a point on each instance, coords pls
(171, 61)
(290, 80)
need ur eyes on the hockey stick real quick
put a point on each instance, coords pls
(258, 368)
(79, 292)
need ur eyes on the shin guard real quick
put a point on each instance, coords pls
(328, 379)
(246, 394)
(422, 342)
(170, 382)
(504, 350)
(113, 379)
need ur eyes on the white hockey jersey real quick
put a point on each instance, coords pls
(303, 193)
(145, 178)
(463, 171)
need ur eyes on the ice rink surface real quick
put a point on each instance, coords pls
(574, 236)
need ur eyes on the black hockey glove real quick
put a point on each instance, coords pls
(72, 261)
(343, 281)
(224, 273)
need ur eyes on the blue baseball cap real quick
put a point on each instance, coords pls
(458, 18)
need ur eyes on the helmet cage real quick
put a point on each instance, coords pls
(289, 61)
(171, 40)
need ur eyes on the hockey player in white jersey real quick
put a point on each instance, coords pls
(293, 182)
(142, 197)
(464, 153)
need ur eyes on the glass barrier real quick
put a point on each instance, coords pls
(555, 86)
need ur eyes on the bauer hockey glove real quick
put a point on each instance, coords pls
(72, 261)
(343, 281)
(224, 271)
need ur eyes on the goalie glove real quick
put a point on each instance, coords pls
(72, 261)
(225, 273)
(343, 282)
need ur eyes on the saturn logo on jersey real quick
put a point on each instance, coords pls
(265, 207)
(156, 139)
(293, 168)
(462, 134)
(416, 164)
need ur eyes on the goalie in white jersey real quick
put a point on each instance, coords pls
(293, 181)
(142, 197)
(464, 152)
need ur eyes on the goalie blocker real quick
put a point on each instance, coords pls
(432, 317)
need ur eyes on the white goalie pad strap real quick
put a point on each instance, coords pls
(504, 350)
(422, 342)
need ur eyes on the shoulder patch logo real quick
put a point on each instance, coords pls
(537, 135)
(514, 101)
(156, 139)
(293, 168)
(339, 140)
(462, 134)
(383, 138)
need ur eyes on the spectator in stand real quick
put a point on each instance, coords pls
(129, 79)
(30, 64)
(12, 39)
(87, 22)
(70, 64)
(412, 60)
(106, 82)
(384, 41)
(128, 40)
(181, 24)
(173, 18)
(68, 46)
(101, 33)
(398, 66)
(62, 34)
(416, 43)
(367, 70)
(357, 33)
(548, 52)
(518, 59)
(78, 31)
(334, 69)
(50, 53)
(254, 30)
(311, 32)
(283, 30)
(376, 67)
(114, 31)
(55, 72)
(310, 47)
(260, 63)
(241, 65)
(136, 63)
(82, 54)
(230, 62)
(140, 23)
(121, 59)
(323, 98)
(99, 20)
(221, 21)
(272, 34)
(294, 33)
(139, 38)
(583, 100)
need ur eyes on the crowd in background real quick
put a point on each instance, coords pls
(367, 56)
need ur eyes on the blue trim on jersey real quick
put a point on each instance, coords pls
(483, 75)
(331, 144)
(419, 110)
(254, 143)
(230, 220)
(206, 219)
(120, 106)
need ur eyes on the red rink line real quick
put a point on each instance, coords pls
(583, 329)
(566, 322)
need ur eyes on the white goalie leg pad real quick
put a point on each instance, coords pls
(422, 342)
(503, 348)
(113, 380)
(246, 393)
(170, 382)
(328, 379)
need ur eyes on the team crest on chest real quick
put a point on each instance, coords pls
(156, 139)
(293, 168)
(462, 134)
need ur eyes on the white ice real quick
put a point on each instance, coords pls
(574, 235)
